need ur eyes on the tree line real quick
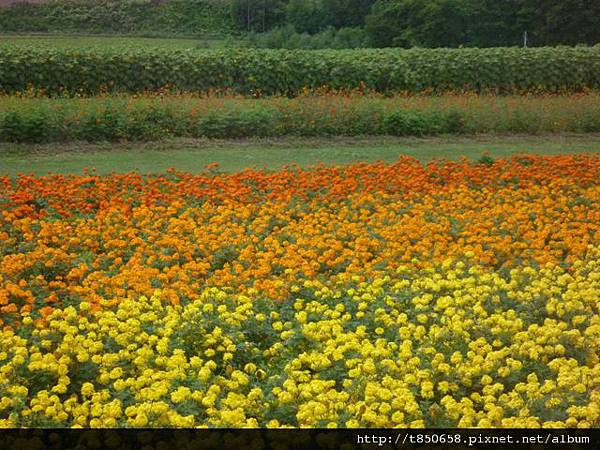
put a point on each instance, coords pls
(431, 23)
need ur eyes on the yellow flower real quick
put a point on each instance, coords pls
(486, 379)
(87, 389)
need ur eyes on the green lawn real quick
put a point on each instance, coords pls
(192, 156)
(74, 41)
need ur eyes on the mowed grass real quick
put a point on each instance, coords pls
(76, 41)
(193, 156)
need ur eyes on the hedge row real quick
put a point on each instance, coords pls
(124, 118)
(287, 72)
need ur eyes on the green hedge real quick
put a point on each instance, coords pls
(153, 118)
(134, 17)
(286, 72)
(156, 124)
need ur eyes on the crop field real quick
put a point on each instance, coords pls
(257, 72)
(235, 238)
(447, 294)
(53, 41)
(173, 18)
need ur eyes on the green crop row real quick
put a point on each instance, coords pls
(152, 118)
(288, 72)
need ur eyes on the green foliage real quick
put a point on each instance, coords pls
(414, 123)
(554, 22)
(287, 37)
(30, 127)
(312, 16)
(305, 15)
(119, 118)
(145, 17)
(483, 23)
(426, 23)
(288, 72)
(346, 13)
(486, 160)
(388, 23)
(257, 15)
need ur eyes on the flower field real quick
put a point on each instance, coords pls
(371, 295)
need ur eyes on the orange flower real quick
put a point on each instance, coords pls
(70, 238)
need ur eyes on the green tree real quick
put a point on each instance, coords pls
(312, 16)
(494, 23)
(568, 22)
(387, 22)
(483, 23)
(427, 23)
(346, 13)
(440, 23)
(258, 15)
(305, 15)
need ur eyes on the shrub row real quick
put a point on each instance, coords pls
(287, 72)
(127, 118)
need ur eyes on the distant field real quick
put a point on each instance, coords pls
(75, 41)
(183, 18)
(11, 2)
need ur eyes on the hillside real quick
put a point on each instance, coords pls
(141, 17)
